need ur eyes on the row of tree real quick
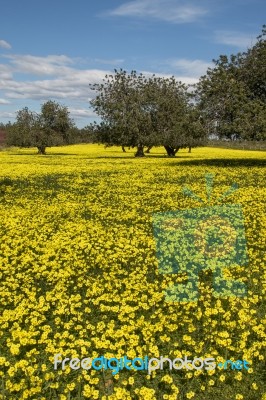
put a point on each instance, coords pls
(137, 111)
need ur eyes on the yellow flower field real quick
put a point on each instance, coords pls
(79, 275)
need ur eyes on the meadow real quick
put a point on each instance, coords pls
(79, 275)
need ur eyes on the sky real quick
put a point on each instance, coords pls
(54, 49)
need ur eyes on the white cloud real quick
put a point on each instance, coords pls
(5, 72)
(188, 80)
(82, 113)
(62, 78)
(4, 101)
(166, 10)
(6, 114)
(184, 70)
(236, 39)
(4, 44)
(191, 68)
(50, 65)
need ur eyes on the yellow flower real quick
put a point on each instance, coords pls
(238, 376)
(71, 386)
(80, 272)
(254, 386)
(131, 380)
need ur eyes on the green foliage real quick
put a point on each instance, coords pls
(138, 111)
(253, 71)
(52, 127)
(232, 95)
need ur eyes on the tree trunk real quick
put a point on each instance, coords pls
(123, 148)
(170, 151)
(140, 152)
(189, 149)
(148, 149)
(41, 149)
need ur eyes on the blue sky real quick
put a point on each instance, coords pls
(54, 49)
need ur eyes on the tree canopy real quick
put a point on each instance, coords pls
(138, 111)
(51, 127)
(232, 95)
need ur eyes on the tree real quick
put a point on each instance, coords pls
(137, 111)
(168, 106)
(253, 70)
(51, 127)
(232, 95)
(25, 130)
(177, 122)
(120, 102)
(55, 125)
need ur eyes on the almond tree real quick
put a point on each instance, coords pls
(232, 94)
(51, 127)
(138, 111)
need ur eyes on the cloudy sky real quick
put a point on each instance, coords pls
(54, 49)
